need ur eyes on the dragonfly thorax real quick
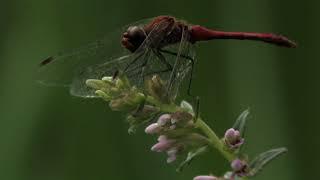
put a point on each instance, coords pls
(133, 38)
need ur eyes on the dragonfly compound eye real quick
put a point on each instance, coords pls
(133, 38)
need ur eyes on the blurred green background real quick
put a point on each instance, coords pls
(46, 134)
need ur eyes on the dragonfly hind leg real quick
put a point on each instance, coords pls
(192, 60)
(163, 61)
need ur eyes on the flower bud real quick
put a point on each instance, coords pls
(103, 95)
(163, 145)
(156, 88)
(172, 154)
(205, 178)
(122, 83)
(96, 84)
(233, 139)
(181, 118)
(153, 128)
(164, 119)
(108, 79)
(239, 167)
(162, 138)
(127, 101)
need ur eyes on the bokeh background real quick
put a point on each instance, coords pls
(46, 134)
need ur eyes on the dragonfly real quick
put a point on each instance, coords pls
(163, 45)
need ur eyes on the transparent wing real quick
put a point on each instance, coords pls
(136, 65)
(104, 57)
(60, 70)
(173, 63)
(182, 56)
(78, 86)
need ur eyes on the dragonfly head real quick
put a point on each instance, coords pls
(133, 38)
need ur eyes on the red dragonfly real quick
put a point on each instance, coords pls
(162, 45)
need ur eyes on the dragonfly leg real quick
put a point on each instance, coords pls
(191, 77)
(196, 98)
(197, 109)
(192, 65)
(143, 67)
(163, 60)
(115, 74)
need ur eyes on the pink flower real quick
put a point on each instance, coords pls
(233, 138)
(172, 141)
(153, 128)
(239, 167)
(173, 153)
(205, 178)
(160, 125)
(163, 145)
(164, 119)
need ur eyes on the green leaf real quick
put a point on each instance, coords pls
(263, 159)
(241, 122)
(191, 156)
(186, 106)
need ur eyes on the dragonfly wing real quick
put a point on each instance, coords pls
(148, 63)
(78, 86)
(136, 66)
(182, 57)
(172, 66)
(103, 58)
(61, 69)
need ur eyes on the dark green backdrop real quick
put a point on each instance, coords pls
(46, 134)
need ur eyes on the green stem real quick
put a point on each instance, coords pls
(215, 142)
(170, 108)
(200, 124)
